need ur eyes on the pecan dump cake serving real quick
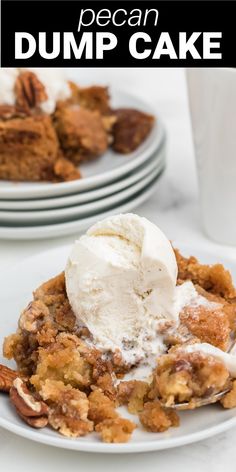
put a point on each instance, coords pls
(49, 126)
(130, 323)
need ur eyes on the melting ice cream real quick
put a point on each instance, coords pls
(120, 280)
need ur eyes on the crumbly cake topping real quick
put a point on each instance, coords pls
(82, 388)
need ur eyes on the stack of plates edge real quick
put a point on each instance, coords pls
(111, 184)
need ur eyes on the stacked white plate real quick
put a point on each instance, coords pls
(113, 183)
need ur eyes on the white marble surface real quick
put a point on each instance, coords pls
(174, 207)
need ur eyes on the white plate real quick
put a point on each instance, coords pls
(16, 293)
(108, 168)
(92, 195)
(73, 227)
(58, 215)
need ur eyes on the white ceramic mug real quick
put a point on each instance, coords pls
(212, 99)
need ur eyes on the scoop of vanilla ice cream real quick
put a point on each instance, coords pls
(7, 84)
(54, 81)
(120, 281)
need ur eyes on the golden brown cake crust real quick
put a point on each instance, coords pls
(133, 394)
(101, 407)
(68, 408)
(65, 170)
(115, 430)
(81, 132)
(157, 419)
(94, 97)
(209, 325)
(28, 148)
(213, 278)
(130, 129)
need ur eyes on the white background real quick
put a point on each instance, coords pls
(174, 207)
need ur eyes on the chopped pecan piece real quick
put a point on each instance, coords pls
(7, 377)
(30, 92)
(34, 316)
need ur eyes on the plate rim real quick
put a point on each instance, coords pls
(90, 195)
(100, 205)
(71, 227)
(131, 447)
(120, 448)
(156, 137)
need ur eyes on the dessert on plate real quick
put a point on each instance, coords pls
(49, 126)
(131, 323)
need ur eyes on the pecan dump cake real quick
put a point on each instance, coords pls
(131, 323)
(49, 126)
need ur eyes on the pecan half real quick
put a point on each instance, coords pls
(34, 421)
(33, 316)
(7, 377)
(32, 410)
(30, 92)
